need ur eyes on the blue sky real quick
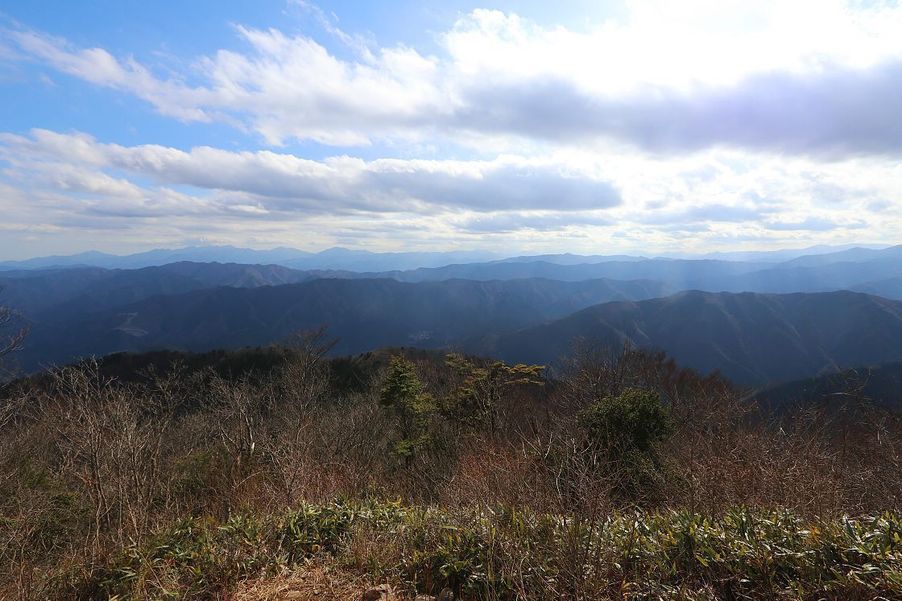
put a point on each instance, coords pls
(630, 126)
(168, 33)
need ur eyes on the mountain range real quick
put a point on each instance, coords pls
(876, 271)
(88, 289)
(759, 318)
(362, 313)
(333, 258)
(367, 261)
(751, 338)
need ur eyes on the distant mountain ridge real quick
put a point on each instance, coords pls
(362, 313)
(367, 261)
(158, 257)
(519, 308)
(784, 255)
(333, 258)
(681, 273)
(92, 288)
(753, 339)
(872, 270)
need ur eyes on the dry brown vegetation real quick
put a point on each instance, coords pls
(179, 481)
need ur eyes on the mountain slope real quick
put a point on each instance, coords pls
(751, 338)
(855, 254)
(333, 258)
(363, 314)
(367, 261)
(157, 257)
(889, 287)
(880, 384)
(877, 273)
(865, 269)
(678, 273)
(60, 293)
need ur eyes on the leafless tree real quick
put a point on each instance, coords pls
(305, 378)
(12, 331)
(303, 383)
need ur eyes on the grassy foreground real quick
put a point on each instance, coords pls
(280, 474)
(508, 554)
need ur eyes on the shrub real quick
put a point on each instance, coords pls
(623, 432)
(403, 393)
(628, 423)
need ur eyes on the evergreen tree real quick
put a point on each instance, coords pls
(476, 400)
(413, 408)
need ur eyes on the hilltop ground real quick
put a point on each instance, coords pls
(280, 474)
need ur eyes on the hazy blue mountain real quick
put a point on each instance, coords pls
(363, 314)
(780, 255)
(151, 258)
(816, 278)
(365, 261)
(824, 269)
(752, 338)
(569, 259)
(877, 269)
(855, 254)
(890, 287)
(677, 273)
(85, 259)
(331, 259)
(219, 254)
(85, 289)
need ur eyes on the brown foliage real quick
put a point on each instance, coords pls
(90, 464)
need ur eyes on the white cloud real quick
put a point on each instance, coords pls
(617, 200)
(287, 183)
(690, 126)
(807, 76)
(514, 221)
(97, 66)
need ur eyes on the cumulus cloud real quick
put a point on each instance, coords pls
(73, 180)
(96, 65)
(837, 112)
(284, 182)
(681, 125)
(802, 77)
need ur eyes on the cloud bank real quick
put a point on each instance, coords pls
(689, 126)
(656, 84)
(285, 182)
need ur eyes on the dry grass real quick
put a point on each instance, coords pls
(321, 579)
(91, 468)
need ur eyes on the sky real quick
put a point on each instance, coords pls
(641, 126)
